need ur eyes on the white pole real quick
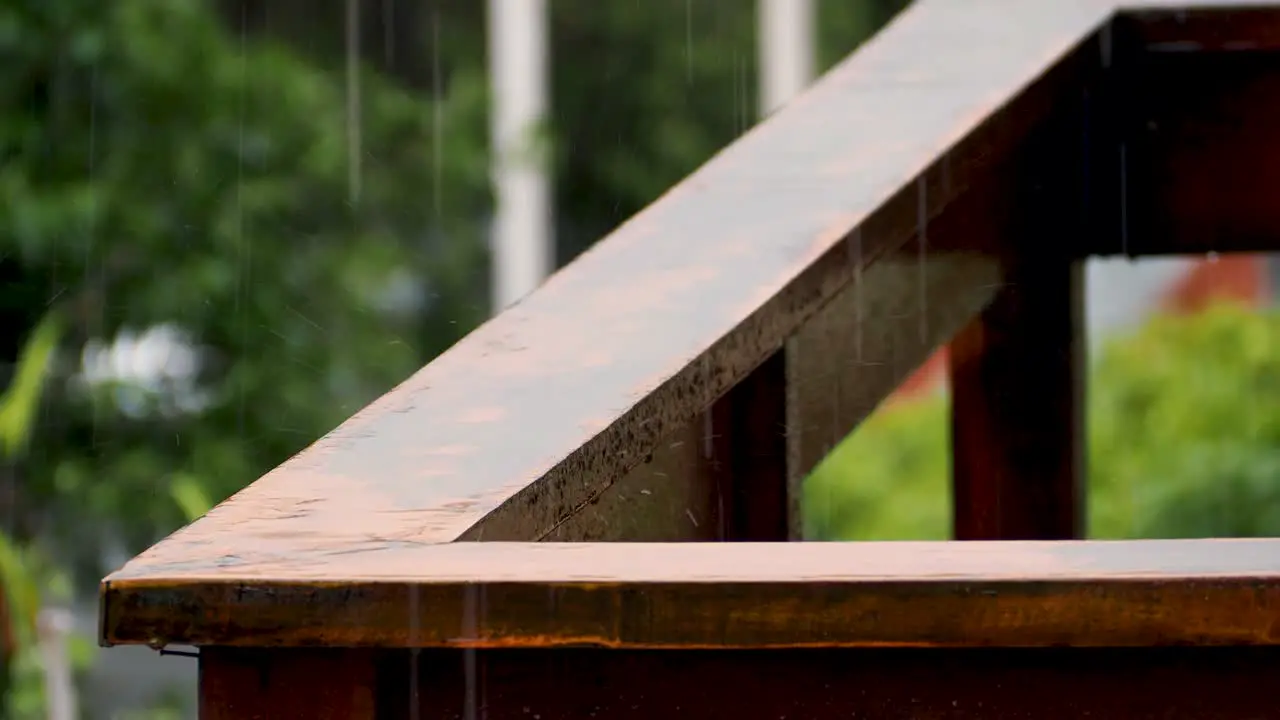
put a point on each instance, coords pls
(522, 238)
(354, 130)
(785, 35)
(54, 627)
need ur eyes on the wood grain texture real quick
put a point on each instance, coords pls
(706, 595)
(673, 495)
(721, 477)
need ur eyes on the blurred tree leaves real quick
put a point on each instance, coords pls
(1184, 441)
(645, 92)
(170, 184)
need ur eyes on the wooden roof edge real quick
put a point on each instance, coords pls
(722, 595)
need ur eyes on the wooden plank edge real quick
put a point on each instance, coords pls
(1011, 594)
(1182, 26)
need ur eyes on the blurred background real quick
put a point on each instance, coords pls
(226, 225)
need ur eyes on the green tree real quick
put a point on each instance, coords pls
(642, 92)
(1184, 441)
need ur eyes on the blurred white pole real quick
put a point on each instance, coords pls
(522, 238)
(354, 130)
(54, 626)
(785, 35)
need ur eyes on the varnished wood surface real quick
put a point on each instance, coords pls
(540, 410)
(547, 411)
(695, 595)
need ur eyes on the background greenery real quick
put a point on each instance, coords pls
(1184, 441)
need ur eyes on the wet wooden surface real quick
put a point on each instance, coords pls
(691, 595)
(722, 476)
(542, 424)
(541, 410)
(673, 495)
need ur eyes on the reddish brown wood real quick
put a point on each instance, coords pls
(1017, 375)
(1202, 26)
(239, 684)
(540, 411)
(693, 595)
(673, 495)
(1204, 152)
(1038, 133)
(748, 447)
(1183, 148)
(1209, 684)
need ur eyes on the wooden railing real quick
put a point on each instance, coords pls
(678, 381)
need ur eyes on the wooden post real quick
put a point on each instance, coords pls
(1051, 683)
(286, 683)
(749, 454)
(1017, 408)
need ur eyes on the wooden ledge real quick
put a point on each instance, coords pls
(711, 595)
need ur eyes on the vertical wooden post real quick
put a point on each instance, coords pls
(749, 447)
(1017, 408)
(281, 684)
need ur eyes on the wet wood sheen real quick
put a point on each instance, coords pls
(677, 382)
(539, 411)
(694, 595)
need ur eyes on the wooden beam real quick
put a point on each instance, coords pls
(722, 476)
(252, 684)
(540, 411)
(354, 684)
(1191, 146)
(749, 453)
(1049, 684)
(1017, 417)
(701, 595)
(675, 494)
(1018, 369)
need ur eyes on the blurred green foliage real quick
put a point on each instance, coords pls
(646, 92)
(642, 92)
(1184, 441)
(160, 173)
